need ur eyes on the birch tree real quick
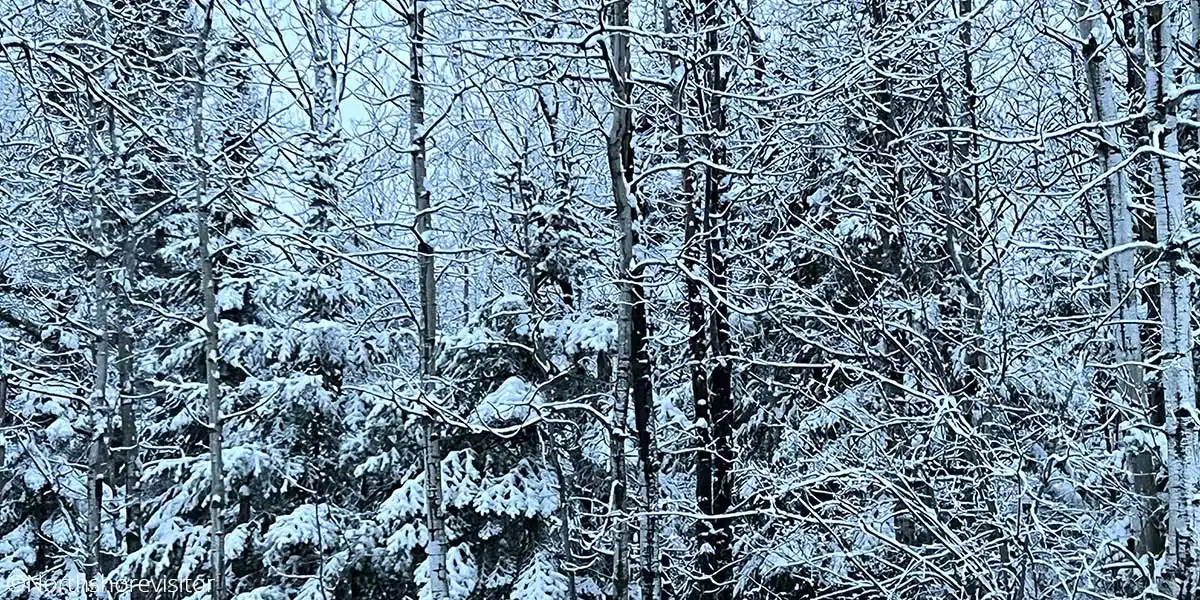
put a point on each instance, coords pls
(620, 168)
(439, 587)
(1178, 377)
(1123, 297)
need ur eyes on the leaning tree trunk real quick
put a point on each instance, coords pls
(216, 501)
(1182, 570)
(436, 550)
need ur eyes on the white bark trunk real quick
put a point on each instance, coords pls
(1123, 295)
(438, 579)
(1119, 219)
(1179, 386)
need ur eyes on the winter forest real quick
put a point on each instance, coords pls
(599, 299)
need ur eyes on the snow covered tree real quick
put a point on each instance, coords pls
(592, 301)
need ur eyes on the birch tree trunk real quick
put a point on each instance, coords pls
(438, 580)
(634, 369)
(1123, 296)
(1194, 18)
(216, 501)
(1181, 572)
(620, 163)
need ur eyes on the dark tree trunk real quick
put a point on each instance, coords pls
(715, 417)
